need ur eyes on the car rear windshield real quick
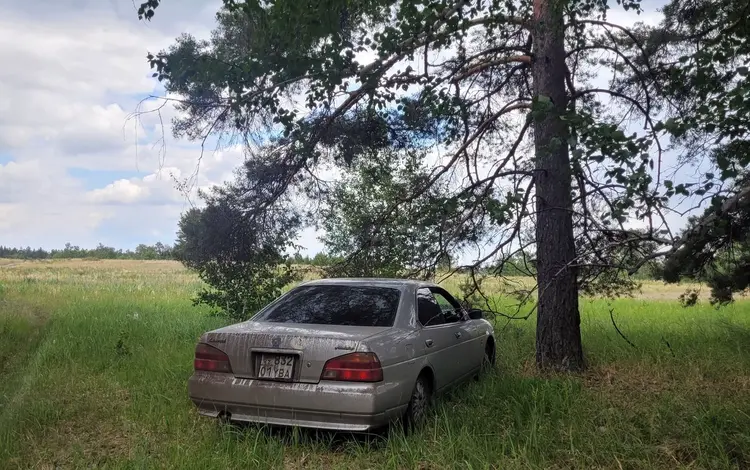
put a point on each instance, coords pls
(336, 305)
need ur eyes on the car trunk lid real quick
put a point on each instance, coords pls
(310, 346)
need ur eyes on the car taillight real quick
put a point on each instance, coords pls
(210, 359)
(354, 367)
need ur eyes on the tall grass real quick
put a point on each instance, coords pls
(94, 361)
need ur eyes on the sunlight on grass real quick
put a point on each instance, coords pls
(94, 358)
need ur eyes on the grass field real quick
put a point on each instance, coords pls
(94, 358)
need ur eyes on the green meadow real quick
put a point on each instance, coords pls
(95, 355)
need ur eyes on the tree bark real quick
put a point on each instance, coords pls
(558, 333)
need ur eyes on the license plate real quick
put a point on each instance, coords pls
(276, 366)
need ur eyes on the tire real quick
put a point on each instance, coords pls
(488, 361)
(489, 354)
(421, 398)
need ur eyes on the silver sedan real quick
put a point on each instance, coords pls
(342, 354)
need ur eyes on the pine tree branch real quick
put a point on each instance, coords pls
(705, 223)
(525, 59)
(644, 111)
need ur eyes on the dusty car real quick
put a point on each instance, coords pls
(341, 354)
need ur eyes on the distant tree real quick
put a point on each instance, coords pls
(320, 259)
(162, 250)
(102, 252)
(520, 264)
(298, 258)
(143, 251)
(408, 245)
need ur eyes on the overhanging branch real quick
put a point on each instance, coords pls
(525, 59)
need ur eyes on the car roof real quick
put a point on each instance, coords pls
(370, 281)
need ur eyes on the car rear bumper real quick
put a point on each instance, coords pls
(325, 405)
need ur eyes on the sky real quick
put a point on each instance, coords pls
(74, 164)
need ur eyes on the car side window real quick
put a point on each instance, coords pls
(445, 306)
(450, 309)
(429, 312)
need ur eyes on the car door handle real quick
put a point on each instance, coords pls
(428, 343)
(458, 334)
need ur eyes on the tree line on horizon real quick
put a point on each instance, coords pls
(516, 266)
(157, 251)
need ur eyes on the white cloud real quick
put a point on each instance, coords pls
(62, 77)
(74, 71)
(34, 181)
(158, 188)
(119, 192)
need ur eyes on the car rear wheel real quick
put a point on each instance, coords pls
(418, 404)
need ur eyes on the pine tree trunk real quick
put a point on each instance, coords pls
(558, 333)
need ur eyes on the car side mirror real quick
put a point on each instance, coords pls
(476, 314)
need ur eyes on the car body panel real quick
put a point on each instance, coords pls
(325, 405)
(444, 353)
(311, 346)
(305, 400)
(477, 333)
